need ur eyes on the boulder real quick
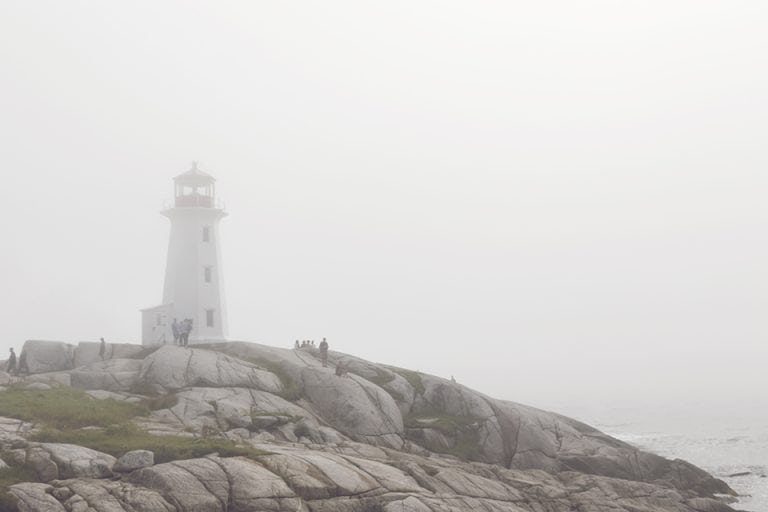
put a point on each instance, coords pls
(54, 461)
(133, 460)
(48, 356)
(317, 475)
(109, 496)
(100, 394)
(40, 386)
(354, 406)
(214, 484)
(87, 352)
(33, 497)
(382, 376)
(110, 375)
(171, 368)
(53, 379)
(199, 409)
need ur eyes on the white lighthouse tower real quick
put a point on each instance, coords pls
(194, 283)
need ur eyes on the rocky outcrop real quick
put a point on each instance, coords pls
(172, 368)
(88, 352)
(53, 461)
(107, 375)
(47, 356)
(215, 484)
(133, 460)
(376, 438)
(354, 407)
(303, 479)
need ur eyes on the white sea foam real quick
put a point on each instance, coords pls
(725, 441)
(742, 461)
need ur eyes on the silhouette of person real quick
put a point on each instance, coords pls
(186, 328)
(176, 328)
(102, 348)
(324, 352)
(12, 362)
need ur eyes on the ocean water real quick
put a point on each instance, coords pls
(729, 441)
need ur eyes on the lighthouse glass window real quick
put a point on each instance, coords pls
(206, 233)
(209, 317)
(208, 273)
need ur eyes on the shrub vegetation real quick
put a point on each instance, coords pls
(413, 378)
(292, 391)
(462, 430)
(63, 412)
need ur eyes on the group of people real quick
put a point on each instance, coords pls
(181, 331)
(311, 344)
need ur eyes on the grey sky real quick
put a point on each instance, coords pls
(555, 202)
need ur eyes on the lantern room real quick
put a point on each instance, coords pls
(195, 189)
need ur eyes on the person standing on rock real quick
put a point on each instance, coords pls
(324, 352)
(175, 328)
(102, 348)
(12, 362)
(186, 328)
(182, 332)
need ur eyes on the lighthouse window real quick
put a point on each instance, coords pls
(208, 274)
(209, 317)
(206, 233)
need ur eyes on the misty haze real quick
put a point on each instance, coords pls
(560, 205)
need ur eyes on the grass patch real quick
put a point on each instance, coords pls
(118, 439)
(282, 419)
(158, 402)
(438, 420)
(413, 378)
(8, 477)
(66, 408)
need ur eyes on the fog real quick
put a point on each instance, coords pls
(556, 202)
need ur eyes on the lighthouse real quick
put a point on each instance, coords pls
(194, 281)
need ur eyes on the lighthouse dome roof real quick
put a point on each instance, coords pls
(194, 176)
